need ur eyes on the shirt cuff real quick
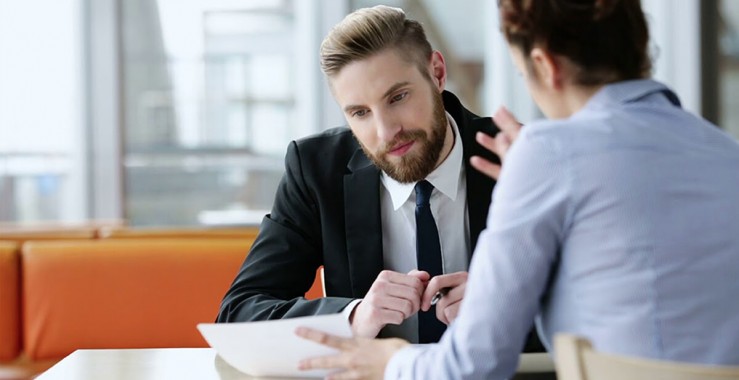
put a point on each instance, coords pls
(402, 363)
(348, 309)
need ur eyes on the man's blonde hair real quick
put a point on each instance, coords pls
(369, 31)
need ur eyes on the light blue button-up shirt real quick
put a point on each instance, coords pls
(620, 224)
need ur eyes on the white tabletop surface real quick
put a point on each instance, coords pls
(182, 363)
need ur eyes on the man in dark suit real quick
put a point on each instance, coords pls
(346, 199)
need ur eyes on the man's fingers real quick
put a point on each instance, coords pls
(420, 274)
(485, 167)
(323, 338)
(440, 315)
(448, 312)
(393, 296)
(451, 281)
(383, 311)
(454, 294)
(400, 279)
(399, 299)
(393, 317)
(393, 284)
(394, 310)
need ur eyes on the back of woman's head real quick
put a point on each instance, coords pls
(607, 39)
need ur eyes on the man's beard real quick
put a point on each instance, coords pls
(415, 166)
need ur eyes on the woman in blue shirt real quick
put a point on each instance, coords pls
(616, 219)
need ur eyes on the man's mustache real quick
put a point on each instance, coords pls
(402, 138)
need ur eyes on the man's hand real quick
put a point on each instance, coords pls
(392, 298)
(448, 306)
(360, 358)
(509, 129)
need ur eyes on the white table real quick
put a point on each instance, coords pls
(185, 363)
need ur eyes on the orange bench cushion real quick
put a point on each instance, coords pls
(10, 328)
(131, 293)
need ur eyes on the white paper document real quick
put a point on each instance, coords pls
(271, 348)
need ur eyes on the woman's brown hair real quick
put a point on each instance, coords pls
(607, 39)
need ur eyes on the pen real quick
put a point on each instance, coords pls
(441, 293)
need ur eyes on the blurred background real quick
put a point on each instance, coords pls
(178, 112)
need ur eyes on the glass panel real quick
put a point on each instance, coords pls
(41, 121)
(457, 29)
(209, 108)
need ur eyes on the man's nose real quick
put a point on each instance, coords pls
(387, 127)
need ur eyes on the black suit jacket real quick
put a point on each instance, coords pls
(327, 212)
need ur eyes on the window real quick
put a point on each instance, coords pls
(213, 92)
(178, 112)
(457, 30)
(42, 148)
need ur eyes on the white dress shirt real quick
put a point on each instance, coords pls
(449, 207)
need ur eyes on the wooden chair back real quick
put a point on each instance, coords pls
(575, 359)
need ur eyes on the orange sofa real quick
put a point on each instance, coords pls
(10, 327)
(138, 288)
(123, 293)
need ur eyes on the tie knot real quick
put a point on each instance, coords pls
(423, 192)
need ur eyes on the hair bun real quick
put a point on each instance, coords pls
(603, 8)
(607, 39)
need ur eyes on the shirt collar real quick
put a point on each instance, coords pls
(625, 92)
(445, 178)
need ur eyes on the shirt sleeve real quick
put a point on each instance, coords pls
(509, 272)
(347, 312)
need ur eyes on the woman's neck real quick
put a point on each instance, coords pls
(574, 97)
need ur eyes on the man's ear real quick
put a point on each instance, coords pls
(547, 68)
(437, 70)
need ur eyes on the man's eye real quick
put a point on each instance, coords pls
(398, 97)
(359, 113)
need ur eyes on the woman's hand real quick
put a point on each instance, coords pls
(509, 129)
(359, 358)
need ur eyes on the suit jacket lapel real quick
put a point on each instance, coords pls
(363, 223)
(479, 186)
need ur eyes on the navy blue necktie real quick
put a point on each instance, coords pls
(428, 256)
